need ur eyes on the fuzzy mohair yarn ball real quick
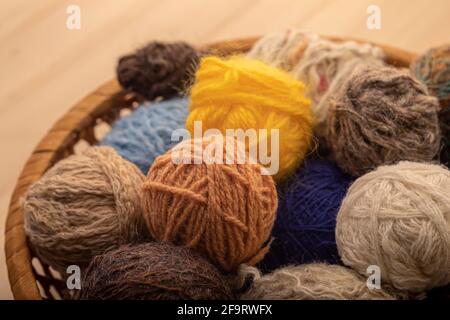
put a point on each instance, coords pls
(241, 93)
(83, 206)
(153, 271)
(433, 69)
(398, 218)
(225, 211)
(146, 133)
(382, 115)
(304, 229)
(315, 281)
(159, 69)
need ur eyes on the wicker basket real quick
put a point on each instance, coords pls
(29, 279)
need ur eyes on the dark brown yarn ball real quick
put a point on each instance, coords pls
(159, 69)
(382, 115)
(153, 271)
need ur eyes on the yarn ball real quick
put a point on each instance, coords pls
(322, 64)
(146, 133)
(224, 210)
(398, 218)
(83, 206)
(280, 49)
(304, 229)
(158, 69)
(381, 115)
(315, 281)
(153, 271)
(241, 93)
(325, 65)
(433, 69)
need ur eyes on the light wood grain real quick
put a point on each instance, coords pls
(46, 68)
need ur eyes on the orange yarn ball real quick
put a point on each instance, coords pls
(225, 211)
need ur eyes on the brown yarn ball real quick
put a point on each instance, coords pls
(83, 206)
(382, 115)
(153, 271)
(226, 211)
(159, 69)
(316, 281)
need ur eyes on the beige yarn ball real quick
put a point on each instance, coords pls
(315, 281)
(84, 206)
(281, 49)
(398, 218)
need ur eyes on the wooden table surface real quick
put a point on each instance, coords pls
(46, 68)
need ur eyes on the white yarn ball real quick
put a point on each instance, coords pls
(398, 218)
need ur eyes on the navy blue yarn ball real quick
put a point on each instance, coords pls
(146, 133)
(304, 229)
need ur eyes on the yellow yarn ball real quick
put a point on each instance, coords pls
(241, 93)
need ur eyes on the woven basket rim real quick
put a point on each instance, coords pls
(104, 103)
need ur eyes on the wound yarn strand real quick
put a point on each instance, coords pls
(224, 210)
(153, 271)
(147, 132)
(83, 206)
(397, 217)
(315, 281)
(382, 116)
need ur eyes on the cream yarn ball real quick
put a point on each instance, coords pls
(281, 49)
(315, 281)
(398, 218)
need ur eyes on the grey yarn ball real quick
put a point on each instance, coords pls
(315, 281)
(382, 115)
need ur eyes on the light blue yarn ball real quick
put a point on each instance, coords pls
(146, 133)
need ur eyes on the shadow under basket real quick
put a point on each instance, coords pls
(78, 128)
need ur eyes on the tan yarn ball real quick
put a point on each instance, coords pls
(398, 218)
(225, 211)
(84, 206)
(315, 281)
